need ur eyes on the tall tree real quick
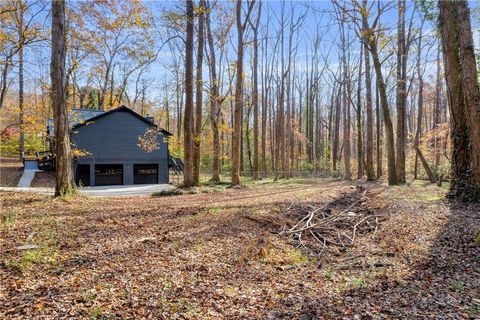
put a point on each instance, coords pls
(280, 123)
(214, 98)
(360, 156)
(199, 95)
(188, 113)
(237, 114)
(460, 160)
(436, 111)
(472, 93)
(21, 104)
(419, 100)
(379, 134)
(382, 90)
(254, 27)
(346, 104)
(64, 174)
(401, 92)
(369, 124)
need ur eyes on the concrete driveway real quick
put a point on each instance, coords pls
(104, 191)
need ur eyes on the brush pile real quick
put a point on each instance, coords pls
(337, 224)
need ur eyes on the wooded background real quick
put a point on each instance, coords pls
(348, 89)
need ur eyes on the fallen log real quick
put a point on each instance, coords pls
(429, 172)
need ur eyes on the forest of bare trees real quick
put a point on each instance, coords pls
(350, 89)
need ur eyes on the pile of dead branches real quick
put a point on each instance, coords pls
(336, 224)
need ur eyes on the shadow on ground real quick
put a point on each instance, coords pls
(445, 285)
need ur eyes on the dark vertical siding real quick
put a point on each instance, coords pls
(113, 139)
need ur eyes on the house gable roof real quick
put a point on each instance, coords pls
(120, 109)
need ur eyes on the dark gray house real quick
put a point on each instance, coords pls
(109, 141)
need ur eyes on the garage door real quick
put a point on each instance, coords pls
(145, 173)
(82, 178)
(108, 174)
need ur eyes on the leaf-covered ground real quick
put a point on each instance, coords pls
(10, 172)
(44, 179)
(218, 255)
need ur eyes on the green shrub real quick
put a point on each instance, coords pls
(168, 192)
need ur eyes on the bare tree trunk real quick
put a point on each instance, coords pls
(64, 172)
(271, 117)
(264, 129)
(214, 98)
(280, 124)
(379, 133)
(372, 40)
(4, 82)
(346, 105)
(401, 93)
(436, 113)
(460, 160)
(368, 96)
(179, 100)
(112, 87)
(359, 120)
(392, 173)
(199, 95)
(237, 114)
(420, 102)
(430, 175)
(265, 96)
(255, 92)
(336, 130)
(21, 106)
(242, 138)
(330, 130)
(472, 93)
(247, 139)
(347, 151)
(188, 114)
(288, 126)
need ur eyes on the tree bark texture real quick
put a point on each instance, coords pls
(64, 171)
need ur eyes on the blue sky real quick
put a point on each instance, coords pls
(320, 13)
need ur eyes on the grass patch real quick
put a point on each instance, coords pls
(329, 274)
(458, 286)
(427, 197)
(248, 181)
(199, 245)
(8, 218)
(279, 182)
(88, 296)
(473, 311)
(358, 282)
(44, 234)
(282, 256)
(215, 210)
(347, 283)
(168, 192)
(210, 183)
(410, 193)
(35, 257)
(191, 190)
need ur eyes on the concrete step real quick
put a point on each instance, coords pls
(30, 167)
